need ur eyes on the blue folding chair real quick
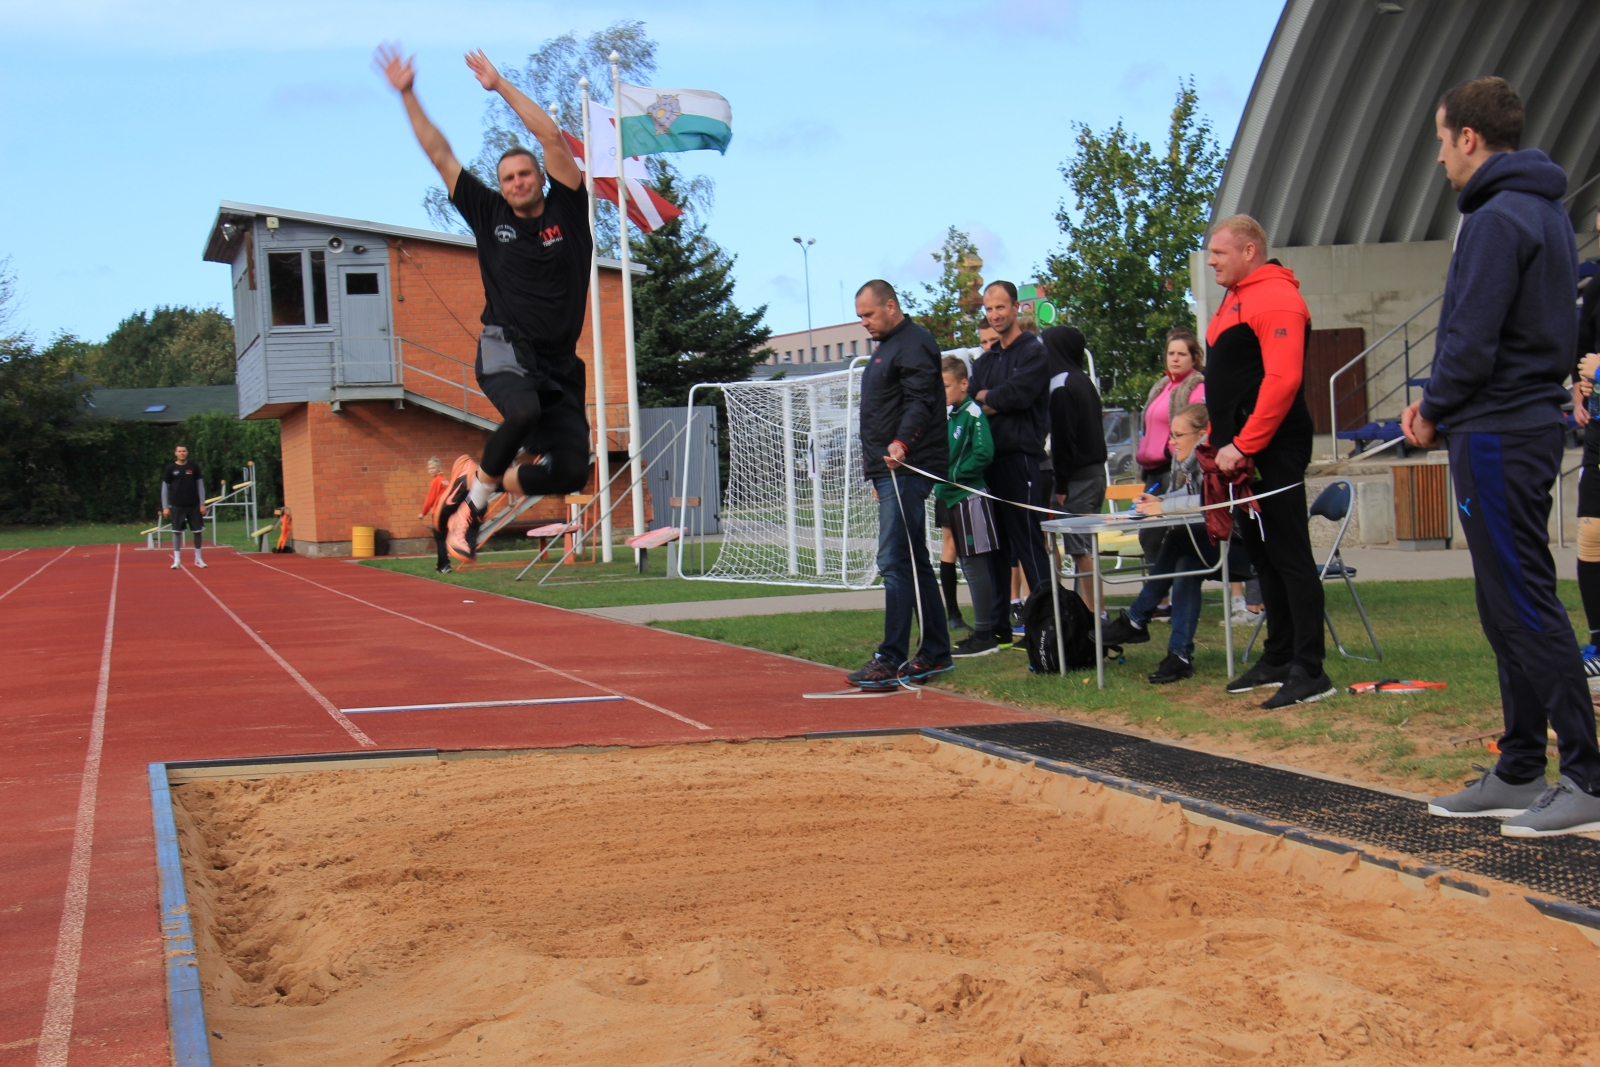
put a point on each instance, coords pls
(1333, 504)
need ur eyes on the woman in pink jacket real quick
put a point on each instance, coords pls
(1183, 384)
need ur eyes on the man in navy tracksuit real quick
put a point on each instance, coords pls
(1505, 341)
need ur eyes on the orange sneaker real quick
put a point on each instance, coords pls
(461, 474)
(461, 536)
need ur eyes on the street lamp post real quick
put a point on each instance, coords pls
(805, 251)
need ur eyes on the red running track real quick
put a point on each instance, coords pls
(253, 657)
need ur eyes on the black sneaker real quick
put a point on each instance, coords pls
(1163, 613)
(878, 673)
(976, 645)
(1016, 614)
(1301, 688)
(1122, 631)
(921, 668)
(1172, 669)
(444, 568)
(1260, 676)
(958, 623)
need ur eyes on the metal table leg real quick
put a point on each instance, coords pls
(1055, 602)
(1099, 607)
(1227, 605)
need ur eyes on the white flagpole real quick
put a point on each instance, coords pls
(635, 460)
(602, 434)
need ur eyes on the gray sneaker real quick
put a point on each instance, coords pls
(1563, 809)
(1489, 797)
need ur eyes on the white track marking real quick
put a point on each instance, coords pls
(47, 563)
(13, 555)
(473, 641)
(480, 704)
(327, 705)
(55, 1035)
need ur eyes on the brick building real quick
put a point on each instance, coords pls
(360, 337)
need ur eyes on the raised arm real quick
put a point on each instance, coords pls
(402, 77)
(558, 161)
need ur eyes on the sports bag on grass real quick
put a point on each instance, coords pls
(1077, 626)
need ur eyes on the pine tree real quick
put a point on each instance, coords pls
(687, 327)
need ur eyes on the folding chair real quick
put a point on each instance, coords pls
(1333, 504)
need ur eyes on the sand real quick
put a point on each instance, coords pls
(827, 904)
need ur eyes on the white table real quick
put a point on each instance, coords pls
(1127, 522)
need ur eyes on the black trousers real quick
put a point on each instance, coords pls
(1280, 551)
(1502, 484)
(544, 415)
(1016, 477)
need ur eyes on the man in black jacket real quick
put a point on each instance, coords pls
(1505, 342)
(1077, 441)
(1011, 381)
(902, 422)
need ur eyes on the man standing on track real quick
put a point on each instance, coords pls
(183, 500)
(902, 421)
(534, 247)
(1505, 342)
(1011, 381)
(1255, 360)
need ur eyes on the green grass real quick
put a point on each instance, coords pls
(94, 533)
(590, 585)
(1429, 630)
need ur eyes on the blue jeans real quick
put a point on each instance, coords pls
(902, 546)
(1177, 554)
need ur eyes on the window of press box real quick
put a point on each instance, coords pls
(286, 277)
(361, 284)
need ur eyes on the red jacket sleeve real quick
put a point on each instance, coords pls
(1283, 356)
(435, 490)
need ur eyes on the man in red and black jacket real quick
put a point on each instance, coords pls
(1255, 359)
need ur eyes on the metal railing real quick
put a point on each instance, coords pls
(394, 368)
(1407, 383)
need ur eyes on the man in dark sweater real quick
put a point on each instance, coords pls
(183, 502)
(1077, 443)
(1505, 342)
(902, 422)
(1011, 381)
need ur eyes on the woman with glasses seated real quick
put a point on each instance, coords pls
(1185, 548)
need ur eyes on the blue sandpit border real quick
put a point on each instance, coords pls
(186, 1009)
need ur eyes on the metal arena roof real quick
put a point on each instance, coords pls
(1337, 142)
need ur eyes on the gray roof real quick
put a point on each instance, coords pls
(175, 404)
(1337, 145)
(219, 243)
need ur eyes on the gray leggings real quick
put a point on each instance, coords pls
(980, 583)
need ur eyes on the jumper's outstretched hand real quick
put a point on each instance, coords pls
(1418, 430)
(399, 69)
(483, 70)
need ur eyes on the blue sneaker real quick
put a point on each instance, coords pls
(1591, 665)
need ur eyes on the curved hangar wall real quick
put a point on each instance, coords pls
(1336, 156)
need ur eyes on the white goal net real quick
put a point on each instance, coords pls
(798, 510)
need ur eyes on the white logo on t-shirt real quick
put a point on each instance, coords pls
(507, 234)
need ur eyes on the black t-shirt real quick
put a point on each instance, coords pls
(535, 271)
(182, 484)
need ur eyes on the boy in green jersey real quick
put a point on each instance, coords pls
(971, 515)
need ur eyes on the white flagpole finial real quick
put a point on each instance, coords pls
(583, 83)
(615, 57)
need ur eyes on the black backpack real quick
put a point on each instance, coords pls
(1077, 624)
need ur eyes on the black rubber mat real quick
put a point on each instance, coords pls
(1567, 868)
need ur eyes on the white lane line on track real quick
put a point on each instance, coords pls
(13, 555)
(47, 563)
(473, 641)
(327, 705)
(55, 1035)
(480, 704)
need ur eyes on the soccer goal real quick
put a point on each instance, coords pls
(797, 510)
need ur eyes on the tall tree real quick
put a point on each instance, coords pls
(1123, 275)
(43, 404)
(688, 327)
(165, 347)
(947, 308)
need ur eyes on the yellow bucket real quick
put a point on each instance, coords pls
(363, 541)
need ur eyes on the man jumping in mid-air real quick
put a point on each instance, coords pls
(533, 251)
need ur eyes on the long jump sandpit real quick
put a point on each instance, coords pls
(829, 903)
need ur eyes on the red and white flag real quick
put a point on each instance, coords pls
(647, 209)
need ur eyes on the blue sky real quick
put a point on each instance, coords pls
(869, 126)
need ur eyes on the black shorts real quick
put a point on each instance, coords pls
(941, 514)
(544, 391)
(972, 521)
(1589, 475)
(190, 515)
